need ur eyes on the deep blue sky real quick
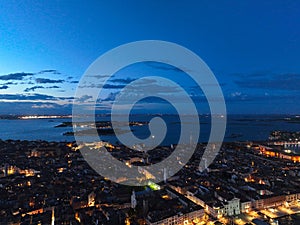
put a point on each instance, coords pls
(253, 48)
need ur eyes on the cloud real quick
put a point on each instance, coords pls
(69, 80)
(53, 87)
(30, 108)
(91, 85)
(65, 98)
(154, 87)
(267, 98)
(236, 94)
(111, 97)
(239, 96)
(15, 76)
(284, 82)
(4, 87)
(49, 71)
(47, 81)
(30, 97)
(153, 99)
(84, 98)
(10, 83)
(121, 83)
(134, 90)
(99, 76)
(122, 80)
(40, 87)
(113, 86)
(33, 88)
(30, 82)
(146, 81)
(43, 106)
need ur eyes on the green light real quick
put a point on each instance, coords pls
(153, 186)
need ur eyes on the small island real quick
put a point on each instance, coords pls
(103, 127)
(101, 124)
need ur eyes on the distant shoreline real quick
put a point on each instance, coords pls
(296, 117)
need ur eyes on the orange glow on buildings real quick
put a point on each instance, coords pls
(262, 182)
(250, 179)
(270, 152)
(34, 212)
(77, 217)
(70, 145)
(31, 202)
(296, 158)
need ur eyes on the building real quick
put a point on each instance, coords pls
(279, 153)
(168, 207)
(232, 207)
(91, 199)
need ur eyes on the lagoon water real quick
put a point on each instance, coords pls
(239, 128)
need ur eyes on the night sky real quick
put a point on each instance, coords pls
(252, 47)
